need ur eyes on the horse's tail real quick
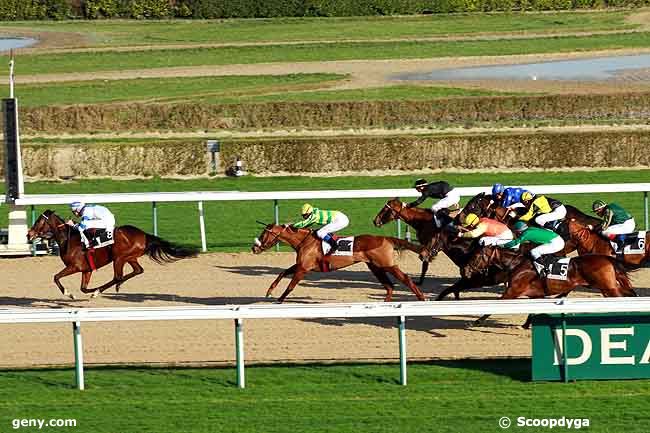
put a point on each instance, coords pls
(401, 244)
(622, 277)
(162, 251)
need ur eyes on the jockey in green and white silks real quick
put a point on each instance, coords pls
(331, 220)
(92, 216)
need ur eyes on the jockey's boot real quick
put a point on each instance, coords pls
(332, 242)
(620, 244)
(540, 267)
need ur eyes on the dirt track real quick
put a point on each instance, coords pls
(215, 279)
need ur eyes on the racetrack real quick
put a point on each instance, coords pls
(215, 279)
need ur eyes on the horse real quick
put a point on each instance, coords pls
(589, 242)
(375, 251)
(420, 219)
(483, 205)
(595, 271)
(460, 251)
(130, 243)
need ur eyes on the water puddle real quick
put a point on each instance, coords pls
(592, 69)
(7, 44)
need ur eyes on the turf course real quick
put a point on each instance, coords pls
(231, 226)
(452, 396)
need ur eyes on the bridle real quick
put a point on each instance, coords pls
(395, 214)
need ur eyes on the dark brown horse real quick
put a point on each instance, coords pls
(595, 271)
(130, 244)
(375, 251)
(420, 219)
(589, 242)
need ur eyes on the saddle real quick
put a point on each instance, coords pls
(99, 238)
(344, 247)
(632, 243)
(557, 268)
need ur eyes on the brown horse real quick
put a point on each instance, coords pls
(130, 244)
(375, 251)
(595, 271)
(420, 219)
(589, 242)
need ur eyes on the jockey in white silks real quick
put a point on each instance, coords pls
(92, 216)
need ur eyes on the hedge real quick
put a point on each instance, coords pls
(211, 9)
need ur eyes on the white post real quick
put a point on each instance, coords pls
(204, 245)
(645, 209)
(402, 350)
(78, 355)
(239, 352)
(399, 229)
(11, 74)
(276, 216)
(154, 211)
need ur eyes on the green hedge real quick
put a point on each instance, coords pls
(210, 9)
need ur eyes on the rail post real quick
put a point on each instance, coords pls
(399, 229)
(78, 355)
(276, 216)
(154, 217)
(645, 209)
(32, 225)
(402, 350)
(204, 244)
(239, 353)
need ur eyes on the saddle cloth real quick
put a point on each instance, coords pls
(557, 268)
(345, 246)
(634, 243)
(100, 238)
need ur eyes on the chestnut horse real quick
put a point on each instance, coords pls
(595, 271)
(420, 219)
(589, 242)
(130, 244)
(375, 251)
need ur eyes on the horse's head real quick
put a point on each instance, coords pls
(45, 226)
(390, 212)
(269, 237)
(477, 205)
(480, 262)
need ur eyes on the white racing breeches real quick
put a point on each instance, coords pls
(554, 246)
(620, 229)
(556, 214)
(452, 198)
(502, 239)
(339, 222)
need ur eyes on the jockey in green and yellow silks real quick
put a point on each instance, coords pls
(331, 220)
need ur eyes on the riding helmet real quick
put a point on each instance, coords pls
(527, 195)
(497, 188)
(520, 226)
(471, 219)
(598, 205)
(77, 206)
(419, 182)
(307, 209)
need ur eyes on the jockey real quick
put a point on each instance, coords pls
(92, 216)
(332, 221)
(616, 221)
(449, 197)
(491, 231)
(507, 197)
(543, 209)
(548, 243)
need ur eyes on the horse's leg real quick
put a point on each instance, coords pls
(118, 276)
(68, 270)
(425, 268)
(401, 276)
(298, 275)
(85, 280)
(289, 271)
(383, 279)
(137, 270)
(512, 292)
(456, 288)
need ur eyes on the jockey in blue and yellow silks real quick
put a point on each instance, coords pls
(507, 197)
(332, 221)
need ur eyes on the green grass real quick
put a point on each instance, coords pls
(231, 226)
(110, 61)
(451, 396)
(138, 32)
(216, 89)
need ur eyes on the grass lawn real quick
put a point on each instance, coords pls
(446, 396)
(111, 61)
(231, 226)
(155, 32)
(216, 89)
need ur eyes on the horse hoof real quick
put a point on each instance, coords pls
(71, 296)
(94, 294)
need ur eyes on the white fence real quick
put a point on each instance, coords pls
(399, 310)
(275, 196)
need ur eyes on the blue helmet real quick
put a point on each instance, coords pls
(77, 206)
(497, 188)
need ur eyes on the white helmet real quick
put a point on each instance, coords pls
(76, 206)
